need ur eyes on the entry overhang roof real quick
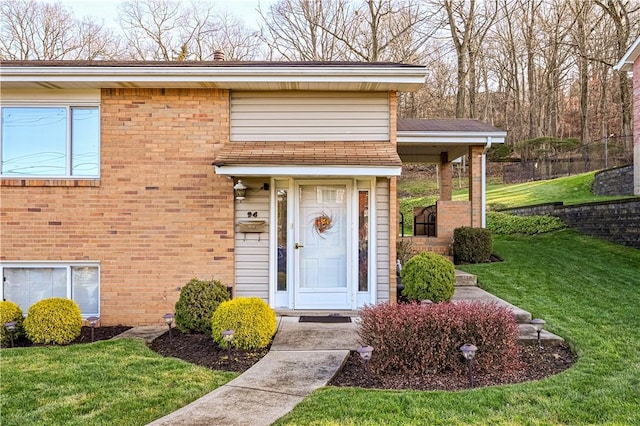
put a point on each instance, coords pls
(241, 75)
(350, 158)
(425, 140)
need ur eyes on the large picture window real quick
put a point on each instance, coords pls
(26, 285)
(50, 141)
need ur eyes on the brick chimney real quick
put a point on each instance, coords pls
(218, 55)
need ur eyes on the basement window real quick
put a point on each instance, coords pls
(26, 285)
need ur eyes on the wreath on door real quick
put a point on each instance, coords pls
(322, 223)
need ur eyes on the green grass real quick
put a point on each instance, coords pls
(119, 382)
(570, 190)
(587, 290)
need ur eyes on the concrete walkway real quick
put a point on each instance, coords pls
(303, 358)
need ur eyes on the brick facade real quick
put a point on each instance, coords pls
(157, 217)
(636, 126)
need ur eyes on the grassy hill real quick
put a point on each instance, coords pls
(570, 190)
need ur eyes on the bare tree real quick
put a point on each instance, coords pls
(621, 14)
(369, 31)
(468, 24)
(301, 29)
(33, 30)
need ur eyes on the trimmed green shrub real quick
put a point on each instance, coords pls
(55, 320)
(471, 245)
(428, 276)
(198, 301)
(10, 312)
(253, 321)
(507, 224)
(421, 339)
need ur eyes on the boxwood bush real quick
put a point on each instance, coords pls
(506, 224)
(10, 312)
(198, 301)
(253, 321)
(471, 245)
(55, 320)
(428, 276)
(422, 339)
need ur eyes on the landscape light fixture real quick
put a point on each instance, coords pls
(538, 325)
(92, 322)
(227, 336)
(469, 352)
(10, 326)
(168, 318)
(240, 190)
(365, 353)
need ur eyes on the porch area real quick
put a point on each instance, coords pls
(442, 142)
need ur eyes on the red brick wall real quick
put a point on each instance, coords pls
(158, 216)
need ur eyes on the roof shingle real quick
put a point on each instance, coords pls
(360, 153)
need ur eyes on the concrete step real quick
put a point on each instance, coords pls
(465, 279)
(529, 336)
(476, 294)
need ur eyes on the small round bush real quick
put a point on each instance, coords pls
(10, 312)
(428, 276)
(253, 321)
(55, 320)
(198, 301)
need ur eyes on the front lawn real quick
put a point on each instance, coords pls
(115, 382)
(588, 291)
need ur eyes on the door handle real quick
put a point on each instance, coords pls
(297, 246)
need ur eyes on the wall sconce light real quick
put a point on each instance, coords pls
(240, 190)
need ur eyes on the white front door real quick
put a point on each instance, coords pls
(322, 246)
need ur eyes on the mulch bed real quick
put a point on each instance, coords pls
(99, 333)
(199, 349)
(537, 363)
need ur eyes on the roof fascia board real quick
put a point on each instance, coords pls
(405, 77)
(275, 170)
(626, 63)
(447, 138)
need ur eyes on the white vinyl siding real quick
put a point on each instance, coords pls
(382, 231)
(252, 249)
(309, 116)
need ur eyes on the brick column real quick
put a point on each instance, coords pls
(475, 184)
(446, 175)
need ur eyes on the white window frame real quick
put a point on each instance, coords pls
(68, 105)
(61, 264)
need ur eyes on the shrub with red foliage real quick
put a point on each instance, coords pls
(425, 339)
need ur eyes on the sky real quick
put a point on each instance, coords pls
(108, 9)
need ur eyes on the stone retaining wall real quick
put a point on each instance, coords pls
(617, 221)
(617, 181)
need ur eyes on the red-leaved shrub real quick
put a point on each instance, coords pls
(425, 339)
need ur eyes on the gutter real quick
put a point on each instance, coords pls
(483, 202)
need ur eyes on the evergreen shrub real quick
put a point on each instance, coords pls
(471, 245)
(197, 302)
(10, 312)
(428, 276)
(507, 224)
(55, 320)
(252, 320)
